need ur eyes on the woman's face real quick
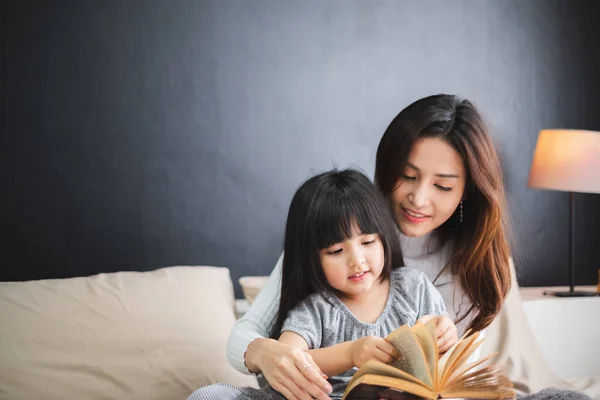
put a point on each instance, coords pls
(430, 188)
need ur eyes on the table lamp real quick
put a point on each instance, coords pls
(567, 160)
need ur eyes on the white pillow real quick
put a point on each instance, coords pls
(251, 286)
(126, 335)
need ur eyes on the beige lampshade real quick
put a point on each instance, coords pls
(567, 160)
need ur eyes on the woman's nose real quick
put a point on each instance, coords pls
(419, 197)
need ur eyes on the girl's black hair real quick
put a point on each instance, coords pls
(322, 213)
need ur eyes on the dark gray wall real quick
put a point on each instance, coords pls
(142, 134)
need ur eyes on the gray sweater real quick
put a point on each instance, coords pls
(323, 320)
(420, 253)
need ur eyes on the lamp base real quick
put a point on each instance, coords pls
(572, 294)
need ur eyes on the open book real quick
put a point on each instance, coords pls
(422, 373)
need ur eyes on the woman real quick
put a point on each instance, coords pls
(441, 174)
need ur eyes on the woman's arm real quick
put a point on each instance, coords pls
(256, 321)
(281, 364)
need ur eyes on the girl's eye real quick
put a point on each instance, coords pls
(444, 188)
(334, 252)
(368, 242)
(410, 178)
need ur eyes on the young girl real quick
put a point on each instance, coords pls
(343, 288)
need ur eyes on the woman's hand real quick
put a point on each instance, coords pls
(445, 331)
(290, 371)
(372, 348)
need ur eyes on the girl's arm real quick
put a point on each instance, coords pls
(334, 360)
(255, 322)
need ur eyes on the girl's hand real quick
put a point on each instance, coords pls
(372, 348)
(290, 371)
(445, 331)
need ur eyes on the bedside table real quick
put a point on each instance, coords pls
(566, 328)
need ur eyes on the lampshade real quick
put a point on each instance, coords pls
(567, 160)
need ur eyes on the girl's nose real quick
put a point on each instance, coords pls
(357, 258)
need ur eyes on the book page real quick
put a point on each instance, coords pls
(425, 334)
(388, 382)
(464, 348)
(484, 386)
(445, 358)
(485, 383)
(482, 394)
(375, 367)
(412, 357)
(459, 374)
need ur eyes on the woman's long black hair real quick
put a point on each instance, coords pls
(480, 241)
(322, 213)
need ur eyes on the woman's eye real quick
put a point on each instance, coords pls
(444, 188)
(410, 178)
(334, 252)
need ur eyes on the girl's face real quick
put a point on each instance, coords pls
(353, 267)
(430, 189)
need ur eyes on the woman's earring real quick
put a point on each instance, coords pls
(461, 212)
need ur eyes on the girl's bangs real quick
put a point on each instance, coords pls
(334, 221)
